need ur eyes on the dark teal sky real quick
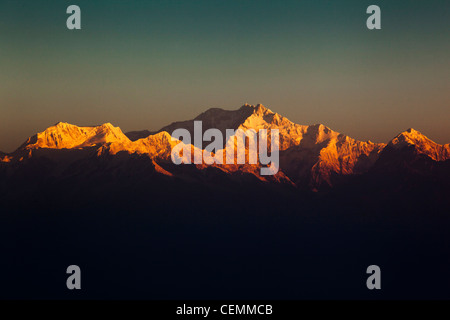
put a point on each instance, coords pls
(143, 64)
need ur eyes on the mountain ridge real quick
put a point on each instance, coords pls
(311, 156)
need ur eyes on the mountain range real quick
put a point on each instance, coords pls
(312, 157)
(140, 226)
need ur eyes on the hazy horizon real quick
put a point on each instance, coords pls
(142, 65)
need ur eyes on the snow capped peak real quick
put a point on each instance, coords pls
(413, 134)
(108, 125)
(412, 138)
(260, 109)
(60, 124)
(412, 130)
(408, 137)
(64, 135)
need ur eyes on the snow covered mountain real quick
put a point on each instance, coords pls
(311, 157)
(416, 141)
(103, 139)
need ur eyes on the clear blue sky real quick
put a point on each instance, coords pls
(144, 64)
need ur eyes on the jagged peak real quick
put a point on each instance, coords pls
(421, 144)
(65, 135)
(108, 125)
(246, 106)
(163, 135)
(258, 109)
(409, 137)
(413, 132)
(263, 115)
(64, 127)
(319, 128)
(61, 125)
(261, 108)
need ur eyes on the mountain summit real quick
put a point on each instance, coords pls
(310, 155)
(421, 144)
(67, 136)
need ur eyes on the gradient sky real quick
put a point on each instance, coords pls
(143, 64)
